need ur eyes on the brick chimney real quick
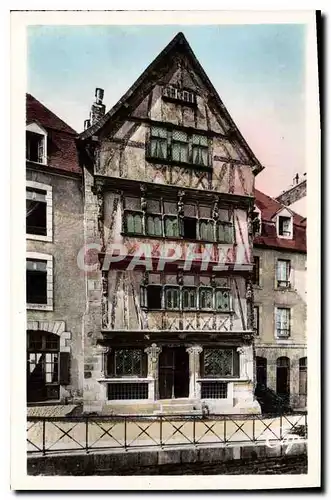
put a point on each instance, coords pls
(97, 109)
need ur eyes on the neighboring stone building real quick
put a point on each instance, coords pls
(54, 237)
(280, 300)
(169, 185)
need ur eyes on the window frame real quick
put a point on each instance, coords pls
(256, 320)
(34, 128)
(290, 235)
(144, 214)
(180, 289)
(235, 368)
(283, 337)
(45, 350)
(288, 275)
(48, 189)
(169, 151)
(178, 95)
(49, 281)
(110, 363)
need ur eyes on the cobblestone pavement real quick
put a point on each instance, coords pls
(282, 465)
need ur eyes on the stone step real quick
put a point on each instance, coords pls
(178, 407)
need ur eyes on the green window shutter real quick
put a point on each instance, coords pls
(64, 368)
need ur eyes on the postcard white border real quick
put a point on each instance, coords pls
(19, 479)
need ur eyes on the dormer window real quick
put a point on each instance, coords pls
(284, 227)
(256, 222)
(176, 94)
(36, 143)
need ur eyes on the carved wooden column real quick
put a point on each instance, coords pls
(153, 353)
(180, 209)
(194, 370)
(143, 204)
(101, 213)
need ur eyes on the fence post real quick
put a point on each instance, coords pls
(253, 429)
(125, 447)
(161, 431)
(194, 417)
(44, 436)
(281, 427)
(86, 434)
(224, 430)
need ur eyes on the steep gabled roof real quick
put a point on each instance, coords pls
(62, 151)
(177, 44)
(269, 208)
(37, 112)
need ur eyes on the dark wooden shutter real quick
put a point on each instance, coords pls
(236, 368)
(144, 364)
(64, 368)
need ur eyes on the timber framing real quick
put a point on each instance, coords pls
(118, 184)
(150, 77)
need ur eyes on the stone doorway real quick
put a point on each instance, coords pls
(283, 378)
(261, 371)
(173, 373)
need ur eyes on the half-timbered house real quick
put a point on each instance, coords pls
(169, 183)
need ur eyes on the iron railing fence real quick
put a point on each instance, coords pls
(47, 435)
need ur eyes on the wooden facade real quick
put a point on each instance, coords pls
(169, 185)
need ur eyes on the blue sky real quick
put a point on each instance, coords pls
(258, 71)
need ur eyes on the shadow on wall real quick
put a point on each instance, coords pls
(270, 401)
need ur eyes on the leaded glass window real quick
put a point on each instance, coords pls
(189, 298)
(222, 300)
(172, 298)
(154, 225)
(218, 362)
(224, 232)
(134, 223)
(200, 150)
(206, 298)
(128, 362)
(179, 146)
(171, 227)
(158, 145)
(207, 230)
